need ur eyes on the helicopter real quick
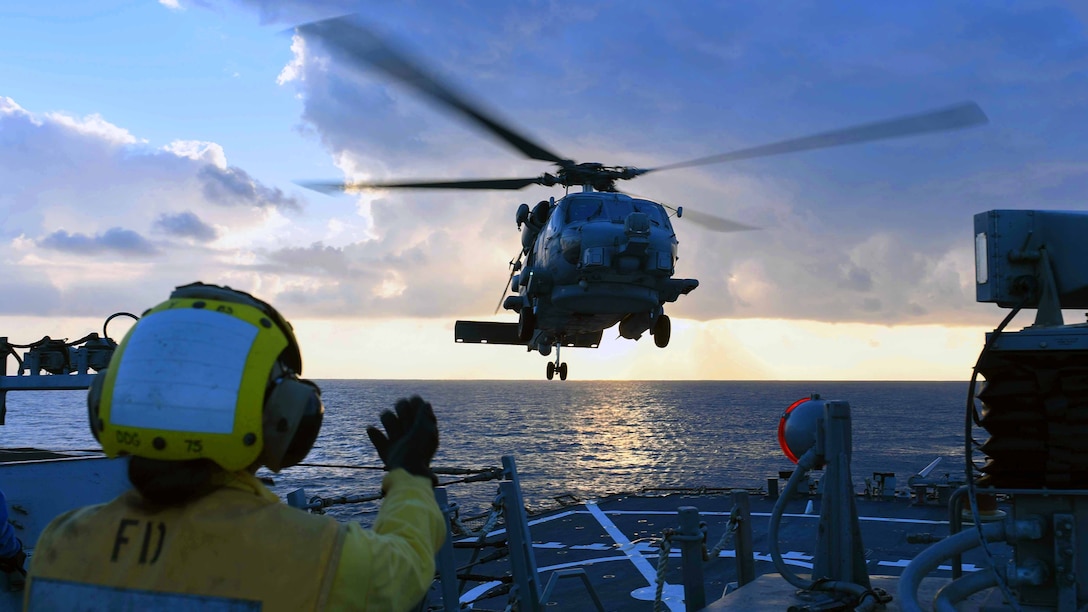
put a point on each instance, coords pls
(597, 257)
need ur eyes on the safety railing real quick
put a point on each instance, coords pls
(691, 535)
(504, 533)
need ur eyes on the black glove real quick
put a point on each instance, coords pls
(410, 439)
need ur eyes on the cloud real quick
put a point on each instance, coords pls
(94, 126)
(26, 294)
(316, 260)
(185, 225)
(235, 187)
(91, 209)
(855, 277)
(293, 69)
(199, 150)
(115, 239)
(875, 233)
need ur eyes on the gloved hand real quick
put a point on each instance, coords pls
(410, 439)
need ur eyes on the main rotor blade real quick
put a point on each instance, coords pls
(709, 221)
(714, 222)
(705, 220)
(334, 187)
(955, 117)
(357, 44)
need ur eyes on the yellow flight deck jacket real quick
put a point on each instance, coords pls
(238, 549)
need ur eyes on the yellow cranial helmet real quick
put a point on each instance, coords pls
(211, 373)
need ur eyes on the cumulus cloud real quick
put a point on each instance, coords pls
(91, 209)
(199, 150)
(316, 260)
(185, 225)
(94, 126)
(293, 69)
(116, 239)
(235, 187)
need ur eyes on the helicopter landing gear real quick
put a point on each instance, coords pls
(662, 331)
(526, 325)
(560, 369)
(556, 367)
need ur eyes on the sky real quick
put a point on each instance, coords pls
(145, 145)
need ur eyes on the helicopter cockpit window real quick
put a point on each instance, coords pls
(619, 210)
(583, 209)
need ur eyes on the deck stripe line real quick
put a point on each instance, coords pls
(531, 523)
(648, 571)
(875, 519)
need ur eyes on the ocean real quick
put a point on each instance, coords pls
(579, 438)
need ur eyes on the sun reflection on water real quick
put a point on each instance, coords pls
(580, 438)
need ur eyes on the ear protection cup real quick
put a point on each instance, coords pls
(292, 419)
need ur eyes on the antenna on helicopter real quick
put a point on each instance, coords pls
(515, 265)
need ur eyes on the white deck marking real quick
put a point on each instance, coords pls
(595, 546)
(479, 590)
(787, 561)
(549, 545)
(967, 567)
(673, 594)
(875, 519)
(531, 523)
(648, 571)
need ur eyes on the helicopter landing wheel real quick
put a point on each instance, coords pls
(662, 331)
(526, 326)
(562, 369)
(551, 371)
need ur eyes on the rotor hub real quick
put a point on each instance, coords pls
(596, 175)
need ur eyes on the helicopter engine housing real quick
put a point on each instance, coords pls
(528, 236)
(532, 223)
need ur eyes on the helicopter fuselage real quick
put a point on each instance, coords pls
(592, 260)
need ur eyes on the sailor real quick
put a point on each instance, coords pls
(11, 548)
(203, 390)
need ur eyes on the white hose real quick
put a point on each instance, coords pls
(956, 591)
(931, 557)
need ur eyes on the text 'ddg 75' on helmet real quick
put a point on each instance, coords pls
(211, 373)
